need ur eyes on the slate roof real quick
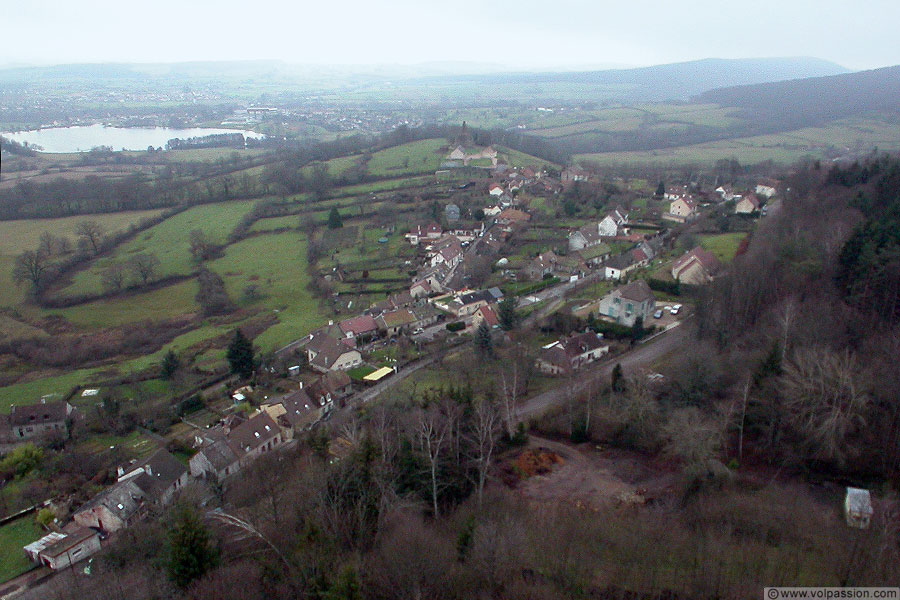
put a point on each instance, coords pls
(637, 290)
(43, 412)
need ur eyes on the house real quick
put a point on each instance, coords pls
(324, 353)
(393, 302)
(612, 225)
(161, 476)
(458, 153)
(571, 353)
(334, 385)
(362, 326)
(115, 508)
(38, 421)
(595, 254)
(725, 192)
(60, 550)
(573, 174)
(695, 267)
(487, 314)
(421, 233)
(765, 190)
(421, 289)
(451, 212)
(148, 483)
(747, 205)
(447, 251)
(395, 322)
(225, 451)
(683, 209)
(296, 412)
(512, 217)
(619, 265)
(425, 315)
(492, 211)
(858, 508)
(466, 304)
(626, 304)
(541, 266)
(495, 189)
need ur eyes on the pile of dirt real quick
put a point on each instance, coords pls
(536, 462)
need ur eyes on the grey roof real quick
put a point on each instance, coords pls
(637, 290)
(30, 414)
(479, 296)
(160, 471)
(859, 501)
(123, 500)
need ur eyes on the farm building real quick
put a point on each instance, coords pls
(858, 508)
(60, 550)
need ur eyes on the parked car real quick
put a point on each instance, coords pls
(658, 314)
(675, 309)
(418, 330)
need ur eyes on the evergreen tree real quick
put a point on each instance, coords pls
(506, 312)
(170, 365)
(617, 379)
(637, 330)
(240, 355)
(334, 219)
(191, 554)
(660, 190)
(483, 341)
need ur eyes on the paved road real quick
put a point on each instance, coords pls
(633, 360)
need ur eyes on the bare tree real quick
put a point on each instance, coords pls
(824, 401)
(113, 277)
(484, 427)
(432, 431)
(144, 266)
(32, 266)
(91, 234)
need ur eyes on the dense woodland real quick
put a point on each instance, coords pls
(787, 392)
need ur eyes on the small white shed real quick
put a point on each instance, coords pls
(858, 507)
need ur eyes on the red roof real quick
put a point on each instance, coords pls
(358, 325)
(495, 186)
(706, 259)
(490, 317)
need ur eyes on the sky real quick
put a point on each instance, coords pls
(520, 34)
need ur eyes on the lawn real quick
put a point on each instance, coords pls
(164, 303)
(32, 391)
(169, 241)
(276, 265)
(423, 156)
(724, 245)
(13, 537)
(16, 236)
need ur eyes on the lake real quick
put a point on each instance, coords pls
(82, 138)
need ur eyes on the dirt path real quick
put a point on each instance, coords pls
(590, 477)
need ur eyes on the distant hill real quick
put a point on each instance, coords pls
(676, 81)
(806, 102)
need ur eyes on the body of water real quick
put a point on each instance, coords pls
(82, 138)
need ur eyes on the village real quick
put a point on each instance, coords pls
(621, 271)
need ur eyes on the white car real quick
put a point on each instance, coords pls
(675, 309)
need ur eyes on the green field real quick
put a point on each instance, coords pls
(16, 236)
(423, 156)
(276, 264)
(169, 241)
(858, 134)
(13, 537)
(724, 245)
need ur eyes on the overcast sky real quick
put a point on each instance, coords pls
(514, 33)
